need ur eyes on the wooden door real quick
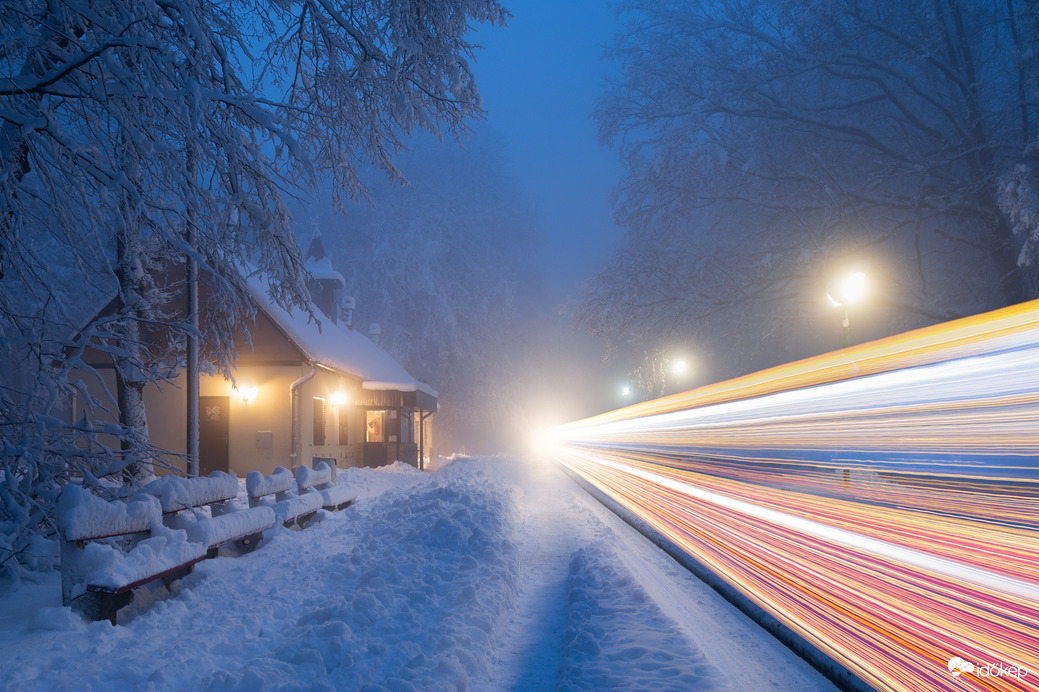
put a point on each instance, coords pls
(213, 434)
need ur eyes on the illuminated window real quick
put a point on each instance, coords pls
(319, 421)
(375, 430)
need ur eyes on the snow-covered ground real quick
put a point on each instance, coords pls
(490, 574)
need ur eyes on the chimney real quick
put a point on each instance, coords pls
(347, 304)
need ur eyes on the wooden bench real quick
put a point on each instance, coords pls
(108, 549)
(322, 479)
(182, 500)
(290, 507)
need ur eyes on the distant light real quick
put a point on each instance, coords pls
(626, 390)
(849, 290)
(679, 367)
(854, 287)
(337, 398)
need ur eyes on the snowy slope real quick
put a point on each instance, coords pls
(489, 574)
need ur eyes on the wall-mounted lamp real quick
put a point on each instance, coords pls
(248, 394)
(337, 398)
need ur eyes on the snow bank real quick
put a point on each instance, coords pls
(413, 592)
(407, 590)
(370, 483)
(176, 493)
(83, 516)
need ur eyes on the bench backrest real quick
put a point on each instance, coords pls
(321, 475)
(83, 516)
(257, 485)
(176, 493)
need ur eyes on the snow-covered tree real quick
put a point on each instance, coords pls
(1019, 200)
(770, 141)
(1019, 187)
(445, 267)
(137, 134)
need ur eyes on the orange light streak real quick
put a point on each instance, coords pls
(881, 502)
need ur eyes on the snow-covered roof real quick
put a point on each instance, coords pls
(337, 347)
(322, 269)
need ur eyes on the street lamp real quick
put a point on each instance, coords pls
(849, 290)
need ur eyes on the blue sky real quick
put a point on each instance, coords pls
(540, 77)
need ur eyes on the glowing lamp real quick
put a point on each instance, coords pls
(850, 290)
(337, 398)
(248, 394)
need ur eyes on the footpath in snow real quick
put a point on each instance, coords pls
(490, 574)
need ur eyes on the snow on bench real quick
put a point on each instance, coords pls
(224, 524)
(176, 493)
(98, 571)
(244, 528)
(289, 507)
(322, 478)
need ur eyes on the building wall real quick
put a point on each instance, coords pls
(267, 411)
(324, 385)
(260, 426)
(259, 429)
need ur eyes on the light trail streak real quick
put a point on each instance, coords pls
(881, 502)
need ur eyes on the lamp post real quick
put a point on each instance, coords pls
(679, 368)
(848, 290)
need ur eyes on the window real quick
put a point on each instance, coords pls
(407, 434)
(375, 430)
(319, 421)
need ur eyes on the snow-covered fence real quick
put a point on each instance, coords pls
(99, 571)
(182, 500)
(322, 478)
(289, 506)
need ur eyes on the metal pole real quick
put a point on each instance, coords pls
(421, 439)
(191, 388)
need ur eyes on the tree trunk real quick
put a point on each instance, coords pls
(129, 363)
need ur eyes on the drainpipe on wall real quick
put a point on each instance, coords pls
(422, 416)
(294, 411)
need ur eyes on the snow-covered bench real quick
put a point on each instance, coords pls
(108, 549)
(322, 478)
(182, 499)
(289, 506)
